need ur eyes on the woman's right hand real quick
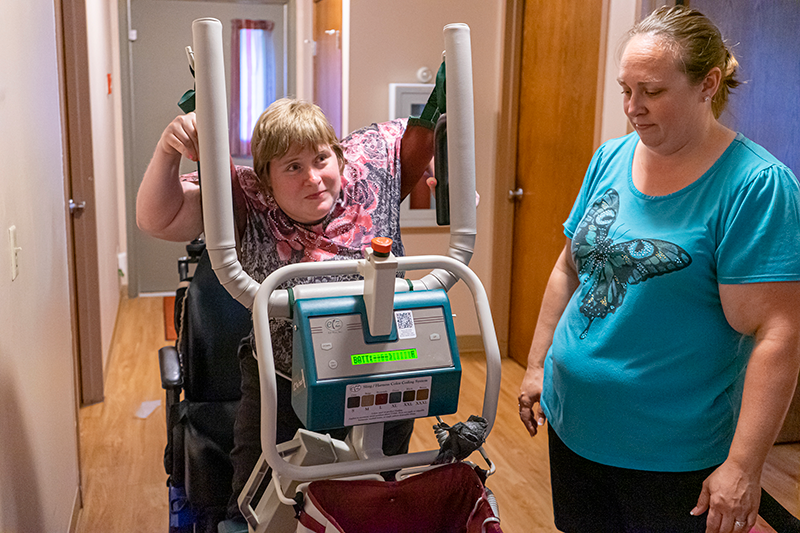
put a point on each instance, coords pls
(167, 207)
(180, 137)
(530, 394)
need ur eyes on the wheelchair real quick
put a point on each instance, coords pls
(201, 377)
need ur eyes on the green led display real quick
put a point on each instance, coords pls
(383, 357)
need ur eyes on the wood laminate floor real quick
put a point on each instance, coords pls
(124, 484)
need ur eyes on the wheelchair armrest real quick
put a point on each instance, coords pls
(170, 367)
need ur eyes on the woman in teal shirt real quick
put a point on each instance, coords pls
(668, 345)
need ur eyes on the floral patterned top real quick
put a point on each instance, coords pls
(368, 207)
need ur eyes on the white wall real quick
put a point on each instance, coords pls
(103, 47)
(38, 435)
(622, 15)
(388, 42)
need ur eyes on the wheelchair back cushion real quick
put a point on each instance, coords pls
(213, 326)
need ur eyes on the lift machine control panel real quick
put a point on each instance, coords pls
(343, 376)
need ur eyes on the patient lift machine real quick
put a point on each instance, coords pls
(365, 352)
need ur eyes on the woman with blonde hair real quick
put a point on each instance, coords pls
(667, 349)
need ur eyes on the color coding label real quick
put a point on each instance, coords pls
(381, 401)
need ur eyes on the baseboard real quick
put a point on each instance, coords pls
(76, 512)
(469, 344)
(156, 294)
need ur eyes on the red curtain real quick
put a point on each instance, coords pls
(240, 147)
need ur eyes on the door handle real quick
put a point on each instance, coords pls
(514, 196)
(73, 207)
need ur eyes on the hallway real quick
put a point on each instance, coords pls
(124, 484)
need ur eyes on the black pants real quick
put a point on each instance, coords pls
(247, 428)
(590, 497)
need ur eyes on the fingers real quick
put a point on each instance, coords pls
(702, 502)
(181, 136)
(718, 522)
(539, 414)
(727, 523)
(531, 415)
(745, 524)
(530, 392)
(730, 510)
(430, 170)
(431, 183)
(526, 415)
(749, 523)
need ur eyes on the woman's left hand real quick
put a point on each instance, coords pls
(731, 496)
(430, 180)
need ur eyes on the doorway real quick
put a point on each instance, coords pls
(328, 60)
(558, 98)
(155, 75)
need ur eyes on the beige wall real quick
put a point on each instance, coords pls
(106, 132)
(38, 435)
(622, 15)
(388, 42)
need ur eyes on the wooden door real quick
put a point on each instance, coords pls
(82, 241)
(328, 60)
(561, 44)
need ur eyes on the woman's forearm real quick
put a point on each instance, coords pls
(769, 386)
(167, 208)
(560, 287)
(416, 152)
(766, 311)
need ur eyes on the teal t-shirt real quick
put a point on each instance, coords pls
(644, 371)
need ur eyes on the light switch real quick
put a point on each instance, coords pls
(14, 249)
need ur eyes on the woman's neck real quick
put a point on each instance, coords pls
(657, 174)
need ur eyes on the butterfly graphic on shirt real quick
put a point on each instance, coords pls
(607, 268)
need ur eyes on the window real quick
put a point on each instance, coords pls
(252, 79)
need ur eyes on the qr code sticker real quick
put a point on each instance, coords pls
(405, 325)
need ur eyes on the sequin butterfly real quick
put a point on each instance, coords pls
(609, 268)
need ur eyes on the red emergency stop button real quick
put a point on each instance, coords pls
(382, 246)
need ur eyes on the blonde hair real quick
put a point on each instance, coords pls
(698, 46)
(285, 124)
